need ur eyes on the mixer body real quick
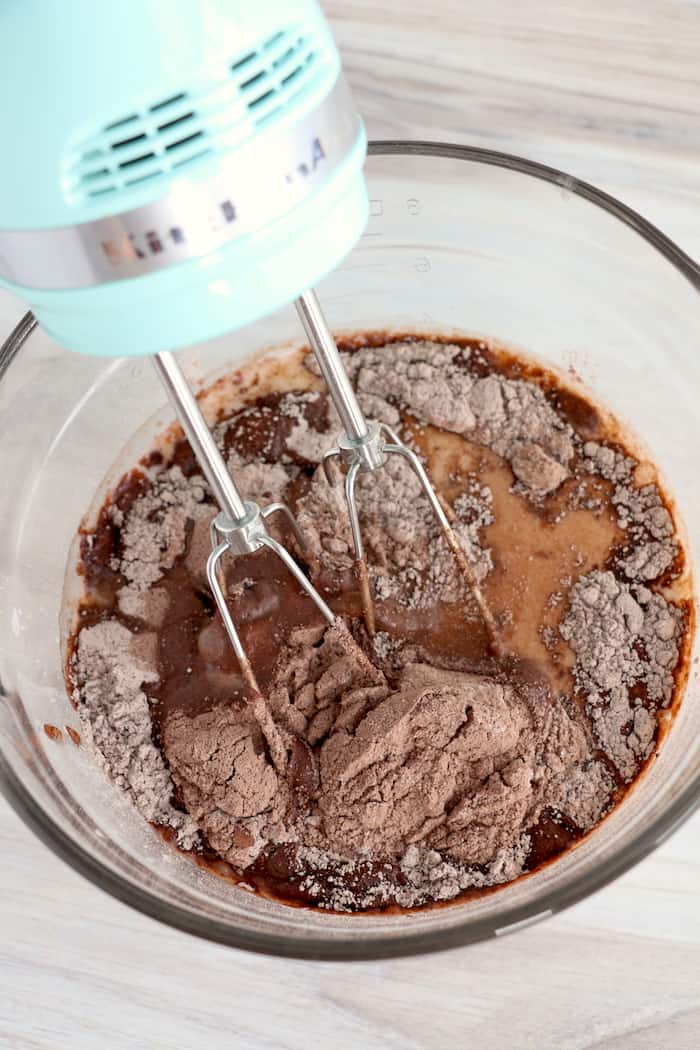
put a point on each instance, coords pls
(178, 169)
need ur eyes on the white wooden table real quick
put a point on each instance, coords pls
(610, 91)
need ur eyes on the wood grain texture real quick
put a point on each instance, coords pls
(609, 91)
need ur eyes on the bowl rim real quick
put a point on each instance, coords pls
(409, 942)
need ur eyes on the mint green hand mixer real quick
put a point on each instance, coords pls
(176, 169)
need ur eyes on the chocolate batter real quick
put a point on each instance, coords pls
(419, 765)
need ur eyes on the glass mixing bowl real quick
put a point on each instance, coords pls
(464, 238)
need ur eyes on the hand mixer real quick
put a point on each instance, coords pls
(174, 171)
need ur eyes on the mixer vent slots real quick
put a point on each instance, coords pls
(175, 132)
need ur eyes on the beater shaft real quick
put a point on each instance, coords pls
(323, 345)
(199, 436)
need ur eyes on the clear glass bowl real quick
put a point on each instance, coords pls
(465, 238)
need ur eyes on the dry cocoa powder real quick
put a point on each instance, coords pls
(380, 777)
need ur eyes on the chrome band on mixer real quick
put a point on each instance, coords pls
(251, 187)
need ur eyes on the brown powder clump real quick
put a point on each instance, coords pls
(149, 605)
(111, 668)
(512, 417)
(304, 440)
(154, 532)
(417, 762)
(323, 679)
(427, 378)
(583, 793)
(227, 782)
(607, 462)
(262, 482)
(446, 761)
(626, 643)
(335, 882)
(537, 471)
(651, 543)
(409, 560)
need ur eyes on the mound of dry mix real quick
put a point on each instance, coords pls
(417, 765)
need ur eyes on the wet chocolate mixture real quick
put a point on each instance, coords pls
(416, 766)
